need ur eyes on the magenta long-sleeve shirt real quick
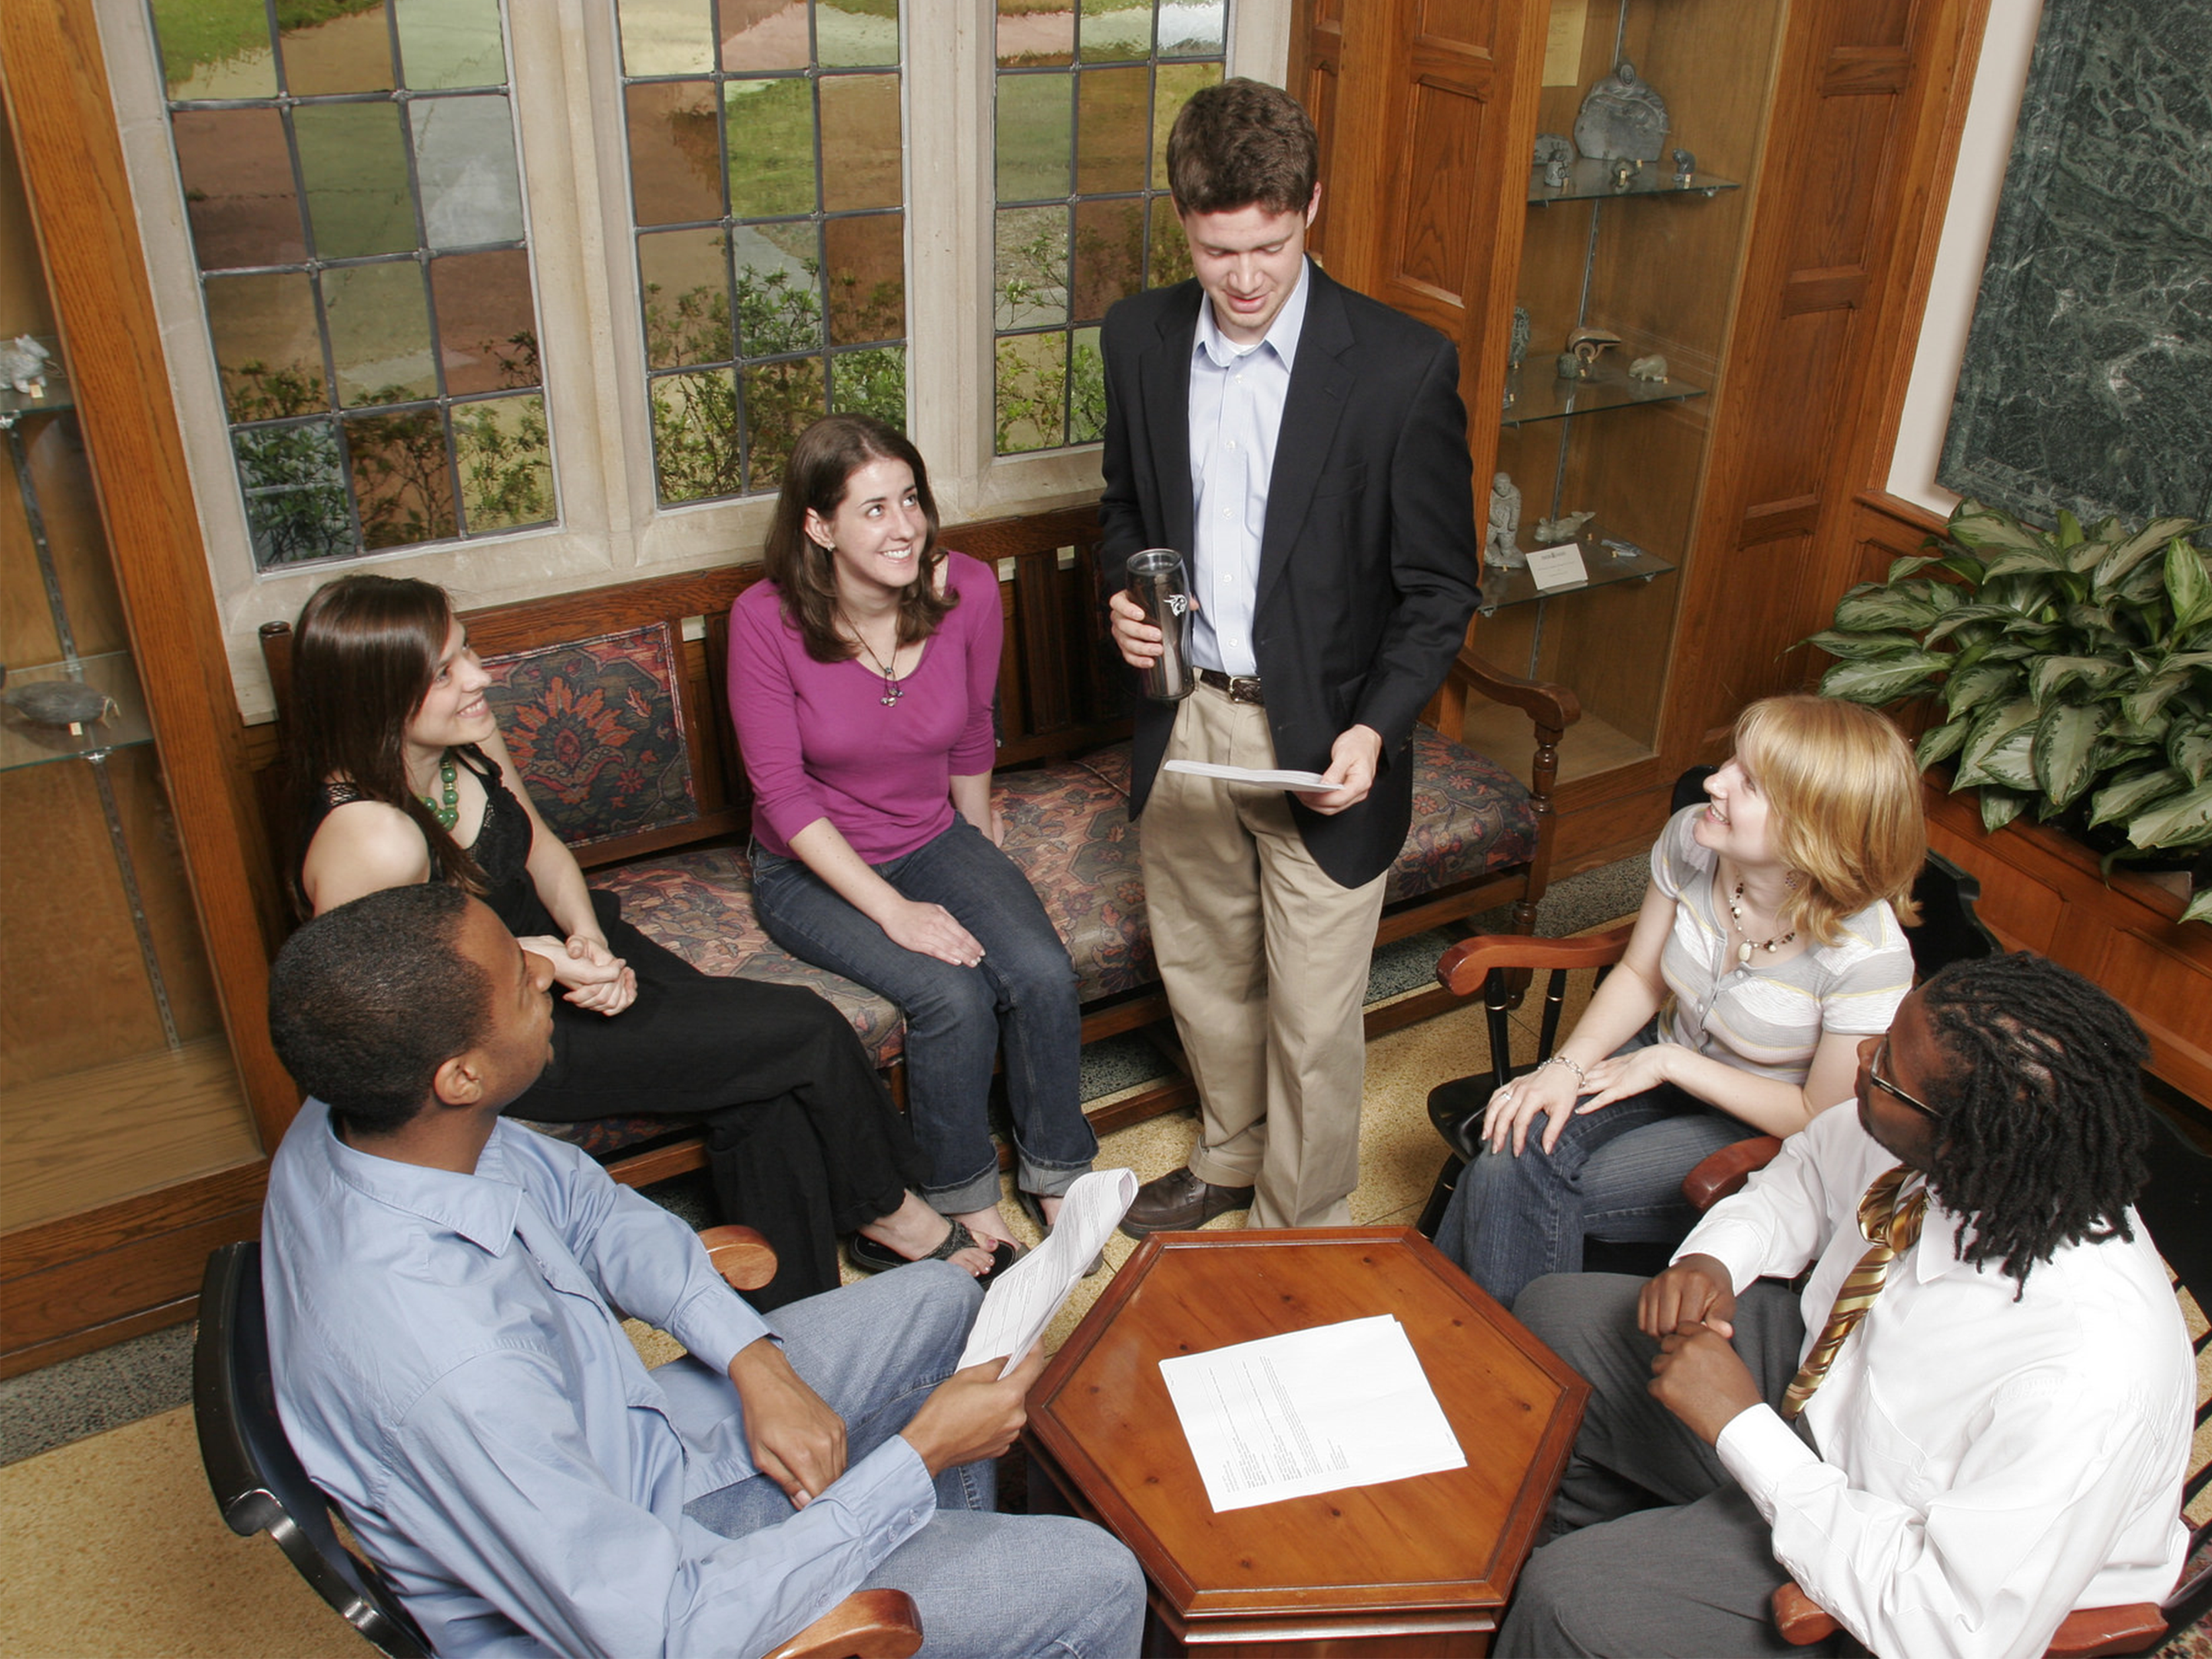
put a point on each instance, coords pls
(819, 744)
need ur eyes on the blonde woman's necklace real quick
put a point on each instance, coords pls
(449, 785)
(893, 688)
(1745, 947)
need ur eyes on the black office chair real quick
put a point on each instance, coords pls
(260, 1485)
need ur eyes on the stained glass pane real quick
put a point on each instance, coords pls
(347, 47)
(667, 37)
(675, 152)
(696, 448)
(487, 320)
(1112, 111)
(1170, 248)
(1192, 28)
(1116, 31)
(866, 272)
(1030, 32)
(686, 278)
(1032, 392)
(355, 163)
(856, 34)
(465, 167)
(1034, 128)
(506, 463)
(872, 382)
(1031, 268)
(379, 325)
(779, 293)
(237, 173)
(861, 146)
(1171, 92)
(782, 401)
(451, 43)
(1109, 255)
(763, 37)
(1086, 389)
(297, 507)
(215, 50)
(771, 145)
(402, 476)
(267, 347)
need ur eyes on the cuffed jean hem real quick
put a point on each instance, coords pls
(981, 1192)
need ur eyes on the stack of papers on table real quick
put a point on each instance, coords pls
(1314, 1411)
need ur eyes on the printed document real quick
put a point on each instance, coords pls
(1022, 1300)
(1314, 1411)
(1300, 782)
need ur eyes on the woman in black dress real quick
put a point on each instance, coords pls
(400, 776)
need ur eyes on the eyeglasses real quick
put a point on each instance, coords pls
(1874, 1076)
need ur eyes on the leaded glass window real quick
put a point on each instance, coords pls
(1087, 90)
(355, 209)
(768, 199)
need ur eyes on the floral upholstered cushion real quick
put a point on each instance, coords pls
(596, 732)
(1471, 816)
(1067, 827)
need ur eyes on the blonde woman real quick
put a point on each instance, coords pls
(1769, 942)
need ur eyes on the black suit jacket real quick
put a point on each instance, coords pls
(1369, 559)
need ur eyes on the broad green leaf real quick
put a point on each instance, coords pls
(2188, 584)
(2190, 748)
(2000, 807)
(2143, 585)
(1939, 742)
(1969, 689)
(1860, 647)
(2086, 557)
(2138, 547)
(2129, 796)
(1959, 615)
(2064, 744)
(1998, 748)
(2185, 659)
(2025, 561)
(2095, 621)
(1906, 565)
(2183, 822)
(1865, 610)
(1878, 682)
(1974, 524)
(2052, 674)
(2199, 908)
(2069, 529)
(2140, 706)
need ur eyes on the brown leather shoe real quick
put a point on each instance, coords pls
(1179, 1201)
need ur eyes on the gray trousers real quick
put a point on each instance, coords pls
(1656, 1551)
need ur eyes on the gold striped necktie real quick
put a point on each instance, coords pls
(1891, 1227)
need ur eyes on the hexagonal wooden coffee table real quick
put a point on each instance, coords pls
(1421, 1566)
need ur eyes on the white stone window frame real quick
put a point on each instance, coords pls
(567, 89)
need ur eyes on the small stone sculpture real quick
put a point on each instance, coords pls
(1555, 154)
(1623, 171)
(1516, 352)
(23, 365)
(1571, 366)
(1653, 367)
(1621, 116)
(1501, 549)
(1686, 167)
(1550, 533)
(1588, 345)
(60, 702)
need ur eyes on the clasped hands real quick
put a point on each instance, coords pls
(1552, 1089)
(1690, 1309)
(595, 976)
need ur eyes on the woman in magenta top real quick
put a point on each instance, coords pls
(861, 675)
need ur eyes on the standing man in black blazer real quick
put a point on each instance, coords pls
(1305, 449)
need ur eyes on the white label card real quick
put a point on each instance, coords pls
(1561, 566)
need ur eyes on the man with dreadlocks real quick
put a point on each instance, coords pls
(1973, 1420)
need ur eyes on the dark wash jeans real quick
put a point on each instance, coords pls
(1024, 990)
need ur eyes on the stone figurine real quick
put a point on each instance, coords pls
(1516, 351)
(23, 365)
(1588, 345)
(1621, 117)
(1623, 172)
(1550, 533)
(1653, 367)
(1686, 167)
(1555, 154)
(1501, 547)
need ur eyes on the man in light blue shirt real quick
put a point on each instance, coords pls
(444, 1293)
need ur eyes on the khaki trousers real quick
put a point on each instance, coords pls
(1265, 961)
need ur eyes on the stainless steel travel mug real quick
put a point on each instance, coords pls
(1158, 585)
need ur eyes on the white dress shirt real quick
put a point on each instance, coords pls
(1987, 1464)
(1237, 398)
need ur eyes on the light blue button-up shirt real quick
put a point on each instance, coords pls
(452, 1370)
(1237, 397)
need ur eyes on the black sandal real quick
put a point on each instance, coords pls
(871, 1257)
(1033, 1207)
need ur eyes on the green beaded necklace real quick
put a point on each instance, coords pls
(449, 785)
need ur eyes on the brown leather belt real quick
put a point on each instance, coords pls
(1239, 688)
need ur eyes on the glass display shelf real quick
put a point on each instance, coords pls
(54, 396)
(1606, 564)
(1589, 180)
(1534, 392)
(24, 742)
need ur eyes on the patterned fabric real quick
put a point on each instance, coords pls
(1892, 1227)
(1471, 816)
(1068, 829)
(596, 732)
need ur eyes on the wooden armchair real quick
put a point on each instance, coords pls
(260, 1485)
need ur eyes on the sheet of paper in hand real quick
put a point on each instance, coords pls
(1022, 1300)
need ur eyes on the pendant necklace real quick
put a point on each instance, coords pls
(1744, 950)
(893, 688)
(449, 786)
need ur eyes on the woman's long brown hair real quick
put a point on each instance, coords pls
(364, 652)
(823, 462)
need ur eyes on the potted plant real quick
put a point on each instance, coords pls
(2073, 671)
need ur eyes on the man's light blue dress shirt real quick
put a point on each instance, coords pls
(451, 1368)
(1237, 397)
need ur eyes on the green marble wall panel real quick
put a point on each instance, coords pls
(2089, 364)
